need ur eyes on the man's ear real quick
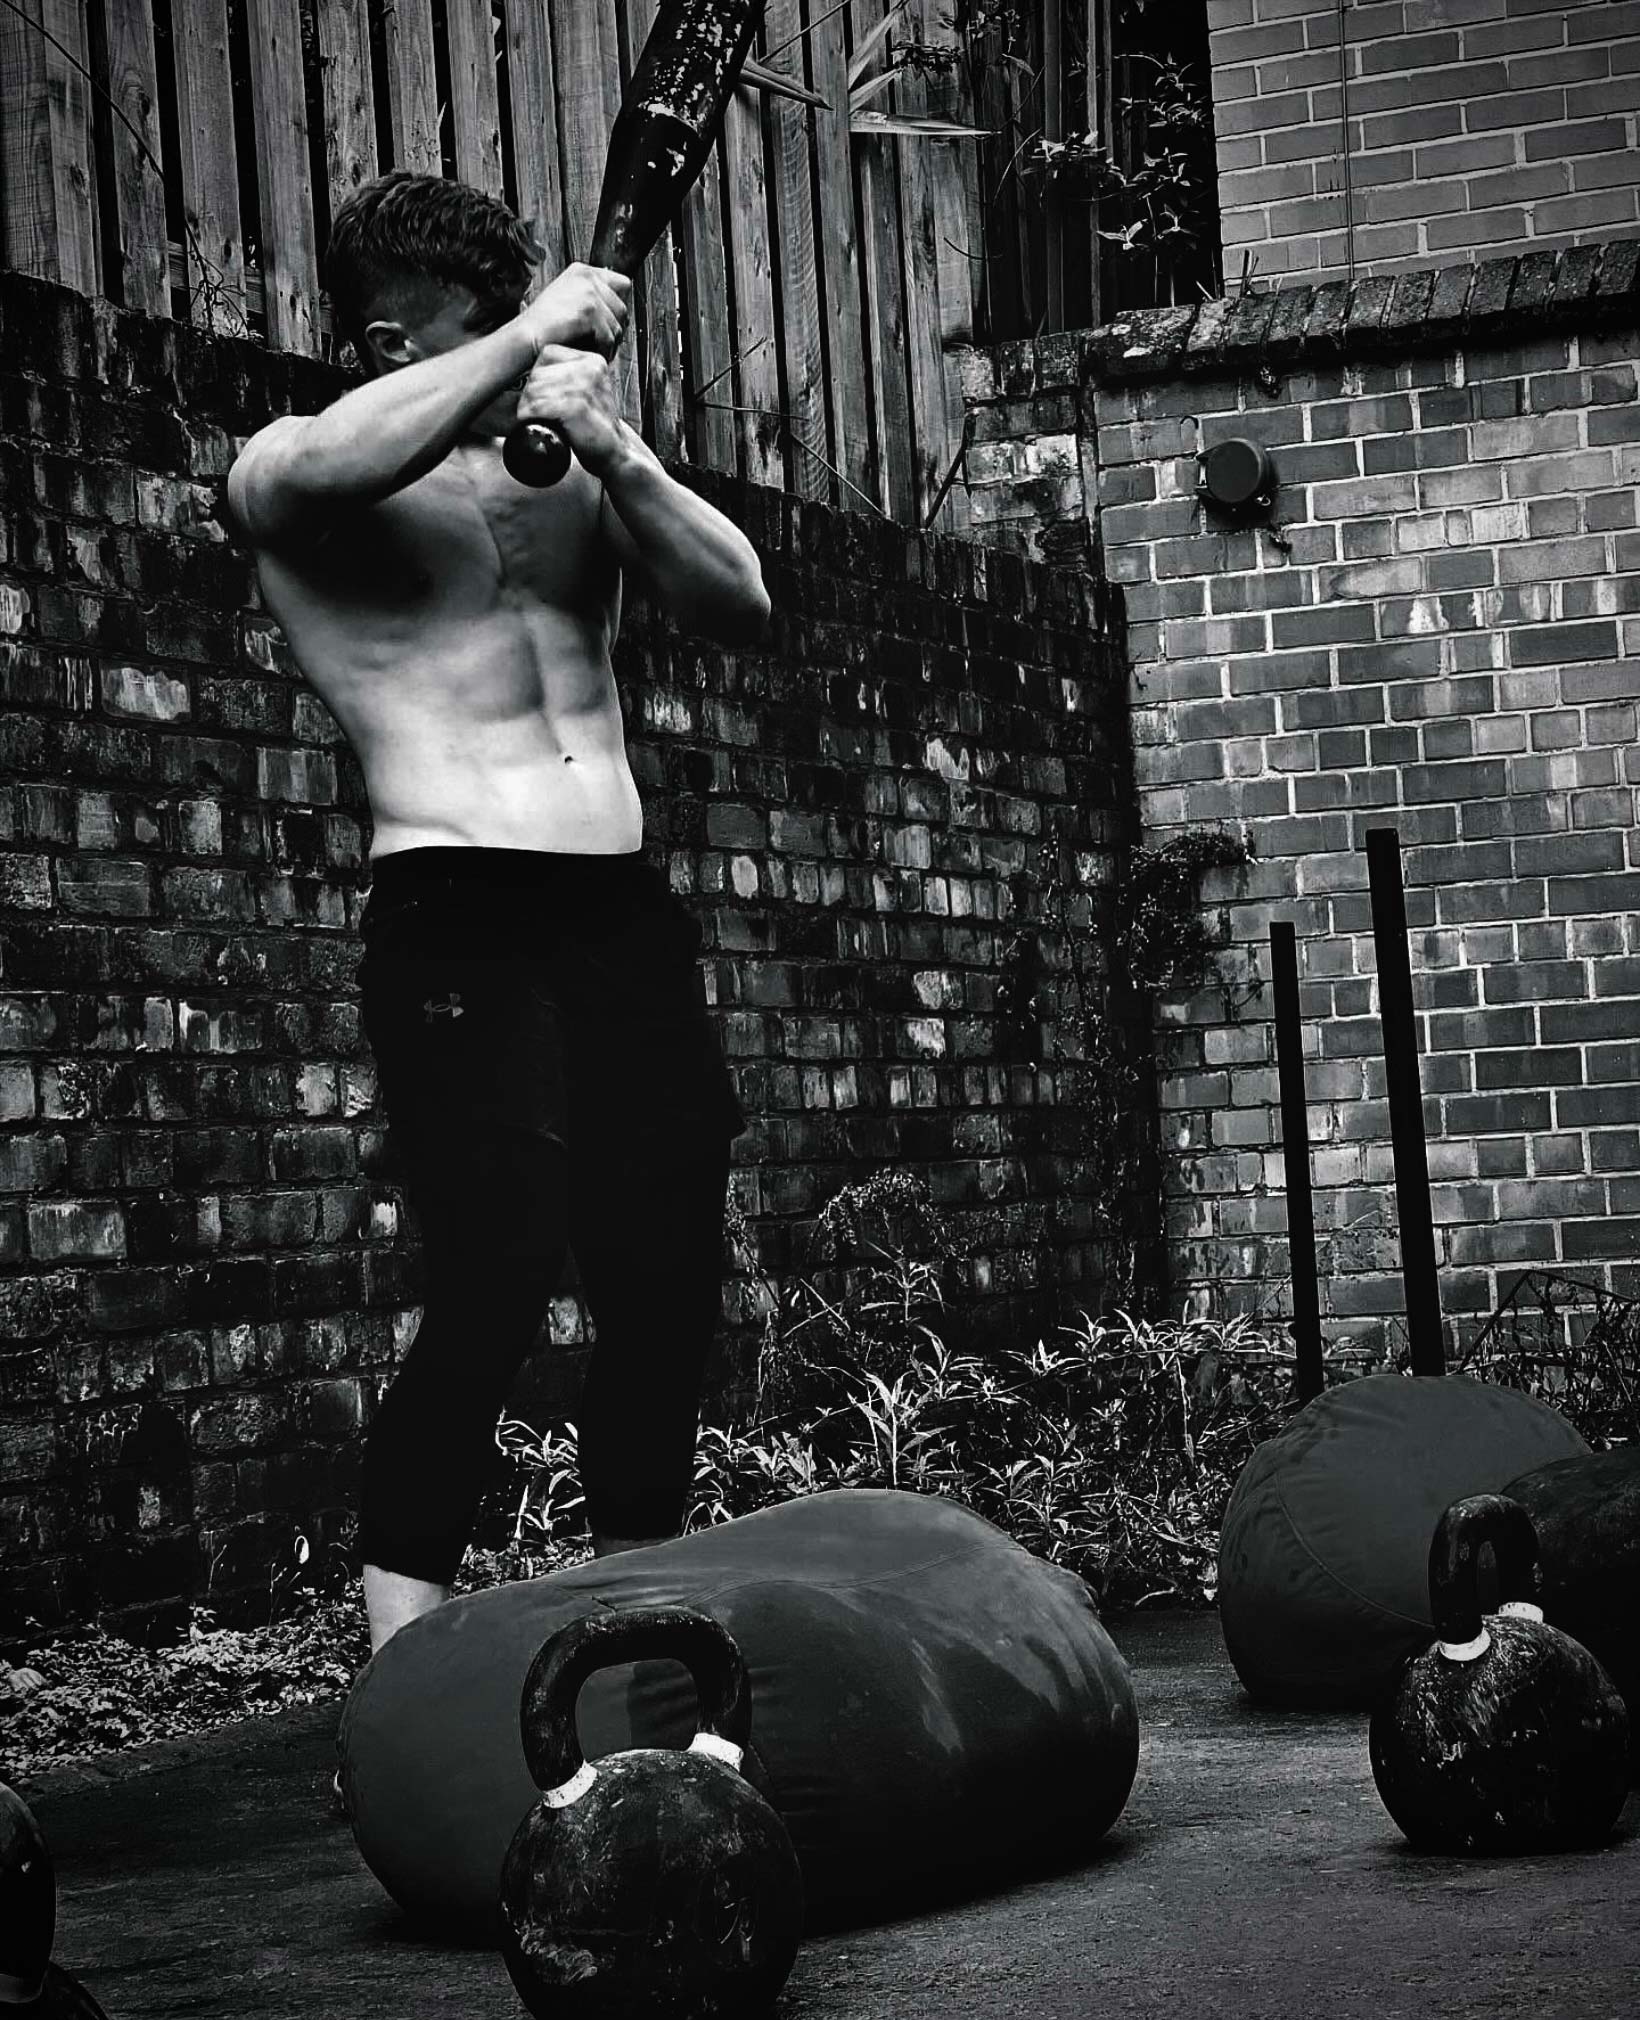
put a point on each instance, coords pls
(389, 347)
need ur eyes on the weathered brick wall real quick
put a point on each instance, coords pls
(203, 1277)
(1440, 632)
(1473, 128)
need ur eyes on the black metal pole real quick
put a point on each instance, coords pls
(1406, 1102)
(1295, 1158)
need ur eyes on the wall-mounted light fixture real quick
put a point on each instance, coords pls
(1237, 476)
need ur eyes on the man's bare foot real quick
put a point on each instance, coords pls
(392, 1601)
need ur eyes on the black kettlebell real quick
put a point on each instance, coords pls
(1506, 1735)
(28, 1923)
(654, 1883)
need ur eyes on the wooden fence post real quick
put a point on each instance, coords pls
(920, 168)
(532, 76)
(47, 186)
(349, 101)
(709, 352)
(1100, 130)
(412, 85)
(475, 105)
(133, 85)
(284, 239)
(805, 391)
(587, 79)
(841, 301)
(1053, 128)
(215, 251)
(656, 295)
(756, 337)
(885, 296)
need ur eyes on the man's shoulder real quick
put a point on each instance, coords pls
(254, 471)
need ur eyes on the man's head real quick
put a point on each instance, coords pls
(417, 265)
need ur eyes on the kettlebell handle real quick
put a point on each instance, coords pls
(552, 1747)
(1454, 1552)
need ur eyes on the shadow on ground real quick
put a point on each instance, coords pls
(1253, 1876)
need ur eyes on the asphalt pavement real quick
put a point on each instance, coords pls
(1253, 1876)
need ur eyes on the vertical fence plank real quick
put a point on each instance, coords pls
(1100, 128)
(49, 190)
(73, 161)
(133, 85)
(878, 171)
(532, 76)
(588, 82)
(805, 388)
(1024, 86)
(709, 355)
(412, 85)
(955, 186)
(588, 99)
(919, 241)
(215, 249)
(757, 338)
(475, 104)
(290, 278)
(28, 199)
(1053, 128)
(962, 216)
(958, 236)
(350, 107)
(656, 294)
(840, 252)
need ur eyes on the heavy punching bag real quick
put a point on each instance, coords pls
(1586, 1512)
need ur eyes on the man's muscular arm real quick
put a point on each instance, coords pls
(296, 473)
(692, 559)
(685, 552)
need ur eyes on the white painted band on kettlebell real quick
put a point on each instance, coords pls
(718, 1748)
(1466, 1651)
(1521, 1609)
(571, 1791)
(20, 1991)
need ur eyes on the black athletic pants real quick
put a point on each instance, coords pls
(552, 1082)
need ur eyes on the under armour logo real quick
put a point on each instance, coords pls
(449, 1007)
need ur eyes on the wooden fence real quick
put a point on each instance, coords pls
(184, 157)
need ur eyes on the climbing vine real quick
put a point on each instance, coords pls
(1160, 932)
(1155, 940)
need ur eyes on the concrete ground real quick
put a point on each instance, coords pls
(1253, 1876)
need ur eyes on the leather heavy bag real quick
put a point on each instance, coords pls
(1324, 1553)
(1586, 1512)
(934, 1710)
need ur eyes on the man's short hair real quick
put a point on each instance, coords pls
(405, 233)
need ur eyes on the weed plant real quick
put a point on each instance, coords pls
(1111, 1450)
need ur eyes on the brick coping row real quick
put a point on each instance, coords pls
(1582, 287)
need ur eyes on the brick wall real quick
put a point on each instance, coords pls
(1473, 128)
(1439, 631)
(203, 1278)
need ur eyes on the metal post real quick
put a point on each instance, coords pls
(1406, 1106)
(1295, 1155)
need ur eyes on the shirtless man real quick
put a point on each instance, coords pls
(529, 987)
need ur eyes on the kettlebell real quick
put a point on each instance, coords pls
(28, 1923)
(656, 1882)
(1506, 1735)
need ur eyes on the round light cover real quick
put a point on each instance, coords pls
(1235, 474)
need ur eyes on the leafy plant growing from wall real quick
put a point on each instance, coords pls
(1151, 939)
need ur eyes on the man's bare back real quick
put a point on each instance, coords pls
(460, 632)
